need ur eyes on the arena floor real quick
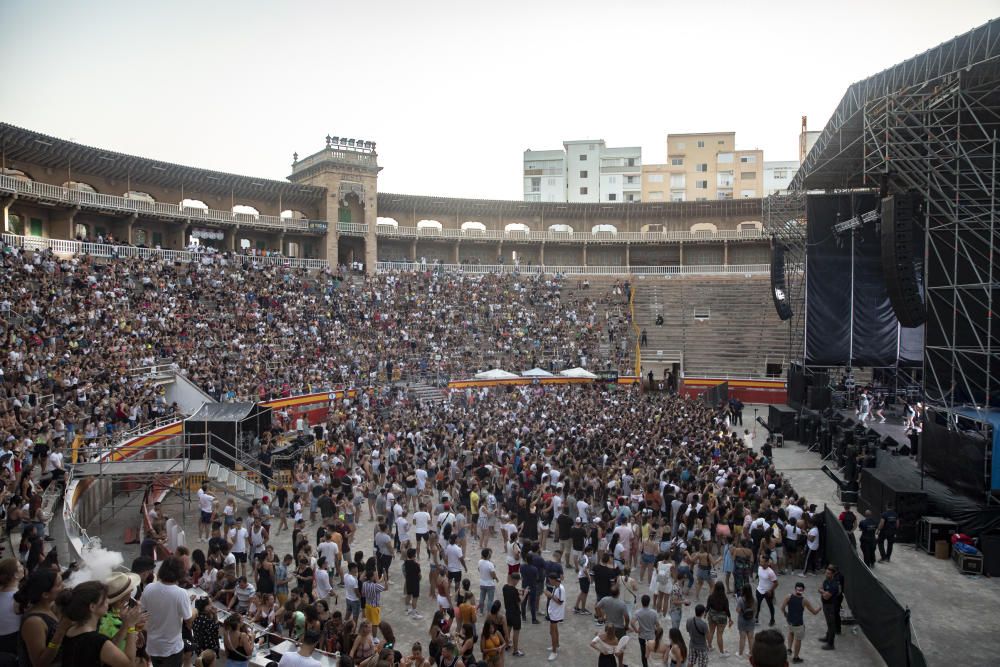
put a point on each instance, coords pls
(956, 634)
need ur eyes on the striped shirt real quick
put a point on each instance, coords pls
(372, 592)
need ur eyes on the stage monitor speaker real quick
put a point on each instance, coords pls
(818, 397)
(990, 546)
(899, 213)
(779, 290)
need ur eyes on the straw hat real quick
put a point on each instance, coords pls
(120, 584)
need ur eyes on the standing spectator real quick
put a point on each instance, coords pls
(745, 612)
(84, 645)
(645, 624)
(769, 650)
(610, 647)
(556, 611)
(697, 630)
(767, 583)
(303, 657)
(869, 528)
(512, 600)
(830, 592)
(793, 609)
(719, 616)
(487, 581)
(169, 608)
(812, 546)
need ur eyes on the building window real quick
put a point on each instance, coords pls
(701, 144)
(676, 196)
(583, 174)
(630, 179)
(80, 231)
(536, 182)
(630, 197)
(15, 225)
(701, 167)
(654, 178)
(157, 239)
(656, 195)
(612, 179)
(780, 173)
(583, 191)
(583, 157)
(748, 159)
(701, 198)
(344, 214)
(748, 194)
(552, 181)
(139, 237)
(701, 185)
(722, 142)
(677, 180)
(612, 197)
(36, 226)
(630, 162)
(748, 175)
(676, 161)
(681, 146)
(724, 158)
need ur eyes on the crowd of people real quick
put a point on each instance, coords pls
(656, 503)
(487, 514)
(75, 334)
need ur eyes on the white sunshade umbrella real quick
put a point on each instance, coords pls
(578, 373)
(537, 373)
(496, 374)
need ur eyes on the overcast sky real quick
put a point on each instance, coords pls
(452, 91)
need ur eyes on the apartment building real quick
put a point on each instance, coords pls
(778, 175)
(586, 171)
(704, 166)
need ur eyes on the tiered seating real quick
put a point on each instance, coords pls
(740, 335)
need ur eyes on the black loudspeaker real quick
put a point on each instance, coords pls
(898, 222)
(779, 291)
(990, 546)
(818, 398)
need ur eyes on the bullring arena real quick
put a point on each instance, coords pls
(297, 381)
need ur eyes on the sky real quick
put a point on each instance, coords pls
(452, 92)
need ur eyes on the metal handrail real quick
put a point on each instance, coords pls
(392, 231)
(714, 269)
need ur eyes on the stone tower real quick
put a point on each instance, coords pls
(348, 169)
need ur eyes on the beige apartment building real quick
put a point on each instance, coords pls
(704, 166)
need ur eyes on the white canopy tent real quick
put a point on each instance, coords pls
(537, 373)
(578, 373)
(496, 374)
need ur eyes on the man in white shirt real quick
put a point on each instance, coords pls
(487, 582)
(303, 657)
(767, 583)
(324, 589)
(556, 610)
(403, 530)
(583, 510)
(331, 552)
(351, 591)
(206, 503)
(812, 547)
(455, 560)
(168, 607)
(422, 526)
(238, 539)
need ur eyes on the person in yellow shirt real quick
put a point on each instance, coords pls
(474, 512)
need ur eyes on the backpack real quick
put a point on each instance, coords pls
(446, 531)
(748, 611)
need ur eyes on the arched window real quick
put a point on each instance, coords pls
(245, 244)
(516, 228)
(139, 236)
(750, 226)
(429, 226)
(243, 209)
(653, 228)
(140, 196)
(604, 229)
(561, 229)
(704, 228)
(17, 174)
(293, 249)
(388, 222)
(82, 187)
(289, 214)
(194, 203)
(473, 227)
(80, 231)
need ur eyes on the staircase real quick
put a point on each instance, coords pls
(425, 393)
(241, 484)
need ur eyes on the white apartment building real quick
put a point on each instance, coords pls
(584, 171)
(777, 175)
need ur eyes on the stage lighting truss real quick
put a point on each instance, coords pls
(855, 222)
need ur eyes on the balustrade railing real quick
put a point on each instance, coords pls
(535, 269)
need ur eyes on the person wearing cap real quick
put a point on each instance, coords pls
(555, 610)
(793, 609)
(120, 586)
(303, 657)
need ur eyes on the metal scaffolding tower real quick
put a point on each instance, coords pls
(939, 137)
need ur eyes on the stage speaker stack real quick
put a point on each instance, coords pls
(899, 214)
(818, 397)
(779, 290)
(990, 546)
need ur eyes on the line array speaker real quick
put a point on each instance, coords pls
(779, 290)
(898, 223)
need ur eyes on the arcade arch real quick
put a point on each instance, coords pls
(473, 227)
(79, 186)
(194, 203)
(387, 222)
(749, 226)
(561, 228)
(140, 196)
(516, 228)
(430, 226)
(244, 209)
(704, 228)
(604, 229)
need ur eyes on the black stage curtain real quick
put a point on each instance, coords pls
(876, 332)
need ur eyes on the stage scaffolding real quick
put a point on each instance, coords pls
(939, 138)
(931, 125)
(784, 218)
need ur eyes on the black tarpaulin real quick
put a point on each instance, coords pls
(844, 325)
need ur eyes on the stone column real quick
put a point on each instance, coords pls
(281, 243)
(413, 250)
(725, 253)
(63, 220)
(332, 245)
(499, 251)
(6, 203)
(541, 254)
(585, 254)
(130, 224)
(680, 250)
(628, 255)
(371, 220)
(454, 253)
